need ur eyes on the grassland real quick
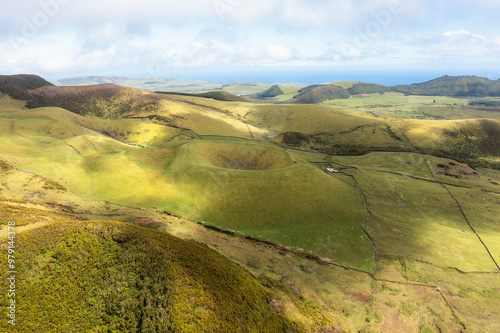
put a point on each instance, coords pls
(241, 185)
(399, 105)
(403, 295)
(396, 241)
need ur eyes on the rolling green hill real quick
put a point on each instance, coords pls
(222, 96)
(218, 95)
(110, 101)
(271, 92)
(319, 94)
(368, 88)
(456, 86)
(402, 238)
(205, 180)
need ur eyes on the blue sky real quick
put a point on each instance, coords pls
(386, 41)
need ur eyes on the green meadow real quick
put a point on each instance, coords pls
(398, 105)
(404, 238)
(254, 188)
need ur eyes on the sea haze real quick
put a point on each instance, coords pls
(316, 75)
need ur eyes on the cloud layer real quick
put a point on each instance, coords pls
(56, 37)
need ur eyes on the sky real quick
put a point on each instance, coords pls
(305, 41)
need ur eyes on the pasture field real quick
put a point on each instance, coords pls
(409, 164)
(419, 219)
(414, 216)
(460, 174)
(481, 209)
(398, 105)
(388, 301)
(387, 244)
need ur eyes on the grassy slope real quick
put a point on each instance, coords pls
(319, 94)
(7, 103)
(426, 228)
(327, 127)
(360, 301)
(184, 177)
(201, 115)
(267, 204)
(453, 86)
(388, 305)
(344, 84)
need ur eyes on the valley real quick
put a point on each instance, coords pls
(404, 237)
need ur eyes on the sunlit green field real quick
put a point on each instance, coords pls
(412, 231)
(255, 188)
(398, 105)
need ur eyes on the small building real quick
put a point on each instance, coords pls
(332, 170)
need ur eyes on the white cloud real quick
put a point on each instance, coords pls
(129, 35)
(346, 52)
(279, 52)
(460, 43)
(343, 14)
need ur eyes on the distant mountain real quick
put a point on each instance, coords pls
(220, 95)
(316, 94)
(368, 88)
(91, 80)
(17, 86)
(271, 92)
(145, 83)
(454, 86)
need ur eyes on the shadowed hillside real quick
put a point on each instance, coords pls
(17, 86)
(106, 100)
(218, 95)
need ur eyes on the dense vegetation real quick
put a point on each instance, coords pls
(115, 277)
(221, 96)
(473, 139)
